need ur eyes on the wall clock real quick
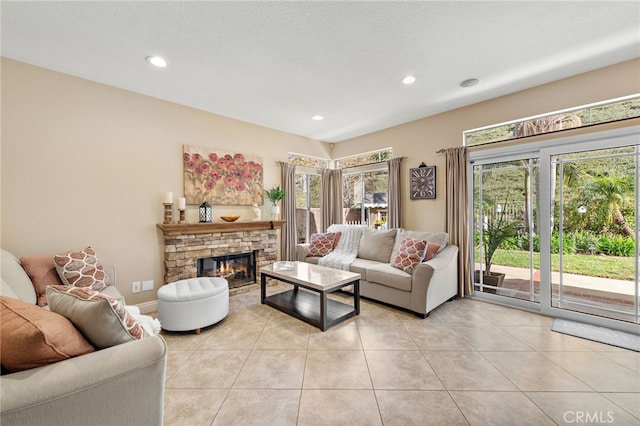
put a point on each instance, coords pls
(423, 183)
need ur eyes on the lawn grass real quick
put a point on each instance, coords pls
(620, 268)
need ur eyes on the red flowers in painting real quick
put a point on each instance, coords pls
(222, 178)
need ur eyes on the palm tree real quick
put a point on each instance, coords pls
(611, 194)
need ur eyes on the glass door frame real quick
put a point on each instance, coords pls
(543, 150)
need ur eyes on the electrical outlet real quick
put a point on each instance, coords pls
(135, 287)
(147, 285)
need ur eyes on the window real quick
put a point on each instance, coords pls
(365, 197)
(308, 161)
(365, 187)
(308, 213)
(308, 194)
(366, 158)
(587, 115)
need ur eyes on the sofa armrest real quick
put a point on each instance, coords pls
(435, 280)
(301, 252)
(120, 385)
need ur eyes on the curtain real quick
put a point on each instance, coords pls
(394, 210)
(289, 237)
(331, 199)
(457, 218)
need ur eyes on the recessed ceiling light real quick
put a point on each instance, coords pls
(409, 80)
(470, 82)
(317, 118)
(157, 61)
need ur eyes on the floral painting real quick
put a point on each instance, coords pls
(222, 177)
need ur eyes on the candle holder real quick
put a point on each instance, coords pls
(168, 212)
(181, 220)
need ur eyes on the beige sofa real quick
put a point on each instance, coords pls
(119, 385)
(432, 283)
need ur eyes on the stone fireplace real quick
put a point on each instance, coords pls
(185, 244)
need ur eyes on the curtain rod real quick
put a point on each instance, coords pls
(441, 151)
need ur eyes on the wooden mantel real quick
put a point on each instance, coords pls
(171, 229)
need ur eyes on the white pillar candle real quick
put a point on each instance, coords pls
(168, 197)
(182, 203)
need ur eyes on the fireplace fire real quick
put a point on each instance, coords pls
(236, 268)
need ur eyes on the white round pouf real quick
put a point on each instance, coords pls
(193, 303)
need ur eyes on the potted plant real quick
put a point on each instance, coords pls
(497, 230)
(275, 194)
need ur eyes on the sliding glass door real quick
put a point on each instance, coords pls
(594, 232)
(506, 255)
(555, 227)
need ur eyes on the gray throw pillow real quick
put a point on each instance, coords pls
(377, 244)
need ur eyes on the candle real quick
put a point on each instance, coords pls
(168, 197)
(182, 203)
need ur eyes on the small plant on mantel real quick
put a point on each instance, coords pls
(275, 194)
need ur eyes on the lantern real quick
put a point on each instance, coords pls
(205, 212)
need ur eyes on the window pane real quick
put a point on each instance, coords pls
(315, 215)
(366, 158)
(301, 207)
(375, 197)
(352, 198)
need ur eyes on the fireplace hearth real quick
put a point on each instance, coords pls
(237, 268)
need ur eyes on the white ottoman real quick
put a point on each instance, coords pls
(193, 303)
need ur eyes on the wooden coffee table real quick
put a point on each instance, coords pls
(308, 300)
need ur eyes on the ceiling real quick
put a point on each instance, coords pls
(276, 64)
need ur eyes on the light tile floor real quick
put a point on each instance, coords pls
(470, 362)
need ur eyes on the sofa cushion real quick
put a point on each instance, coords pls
(33, 336)
(81, 269)
(313, 260)
(376, 244)
(360, 266)
(386, 275)
(103, 320)
(441, 238)
(42, 272)
(322, 244)
(16, 278)
(410, 253)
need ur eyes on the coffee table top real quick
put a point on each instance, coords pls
(313, 276)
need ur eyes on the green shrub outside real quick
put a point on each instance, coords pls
(581, 242)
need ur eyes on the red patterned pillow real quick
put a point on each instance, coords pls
(410, 253)
(322, 244)
(81, 269)
(102, 319)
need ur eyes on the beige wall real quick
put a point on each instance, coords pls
(88, 164)
(84, 163)
(419, 140)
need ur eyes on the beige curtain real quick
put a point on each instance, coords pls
(331, 200)
(289, 237)
(457, 220)
(394, 209)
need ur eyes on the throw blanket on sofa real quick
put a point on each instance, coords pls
(347, 249)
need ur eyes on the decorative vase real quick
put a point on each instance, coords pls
(275, 212)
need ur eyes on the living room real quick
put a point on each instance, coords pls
(91, 163)
(88, 163)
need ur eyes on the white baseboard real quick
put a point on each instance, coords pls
(148, 307)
